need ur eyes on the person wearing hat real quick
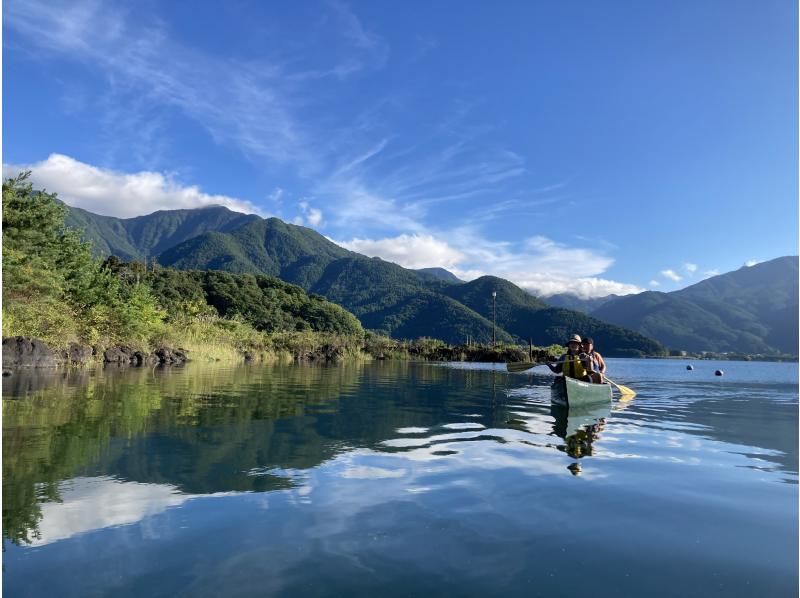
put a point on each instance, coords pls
(573, 363)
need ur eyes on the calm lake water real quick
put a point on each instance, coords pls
(400, 479)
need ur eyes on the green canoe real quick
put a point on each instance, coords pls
(570, 392)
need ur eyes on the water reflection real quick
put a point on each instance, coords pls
(580, 427)
(383, 471)
(92, 503)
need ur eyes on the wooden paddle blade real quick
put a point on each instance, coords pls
(519, 366)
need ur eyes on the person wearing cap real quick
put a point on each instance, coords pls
(573, 363)
(598, 364)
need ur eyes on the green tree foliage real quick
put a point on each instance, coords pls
(55, 289)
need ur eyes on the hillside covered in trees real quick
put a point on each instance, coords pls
(386, 298)
(55, 289)
(751, 310)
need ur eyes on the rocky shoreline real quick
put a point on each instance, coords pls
(21, 352)
(26, 352)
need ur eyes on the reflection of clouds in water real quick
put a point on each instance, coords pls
(89, 504)
(464, 426)
(412, 430)
(368, 473)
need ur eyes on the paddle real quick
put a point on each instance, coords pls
(521, 366)
(627, 393)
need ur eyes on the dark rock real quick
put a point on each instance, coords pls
(6, 373)
(77, 354)
(22, 351)
(140, 358)
(166, 355)
(121, 355)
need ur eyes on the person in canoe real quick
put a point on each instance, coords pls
(598, 364)
(574, 363)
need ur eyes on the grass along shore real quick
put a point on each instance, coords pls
(216, 339)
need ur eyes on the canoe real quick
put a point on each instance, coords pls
(570, 392)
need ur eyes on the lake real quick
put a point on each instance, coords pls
(400, 479)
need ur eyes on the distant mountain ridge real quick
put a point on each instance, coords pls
(440, 274)
(384, 296)
(570, 301)
(750, 310)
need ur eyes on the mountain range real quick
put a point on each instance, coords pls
(384, 296)
(751, 310)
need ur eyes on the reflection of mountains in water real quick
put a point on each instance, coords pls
(208, 430)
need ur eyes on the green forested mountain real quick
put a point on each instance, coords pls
(751, 310)
(384, 296)
(522, 314)
(145, 236)
(570, 301)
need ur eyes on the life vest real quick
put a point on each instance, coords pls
(573, 367)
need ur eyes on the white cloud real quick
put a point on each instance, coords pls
(310, 216)
(113, 193)
(544, 285)
(537, 265)
(556, 258)
(410, 251)
(690, 268)
(276, 195)
(672, 275)
(751, 263)
(314, 217)
(655, 283)
(710, 273)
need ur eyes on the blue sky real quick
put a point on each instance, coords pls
(591, 147)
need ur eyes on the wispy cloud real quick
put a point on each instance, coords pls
(690, 268)
(276, 195)
(310, 216)
(119, 194)
(655, 283)
(751, 263)
(252, 105)
(672, 275)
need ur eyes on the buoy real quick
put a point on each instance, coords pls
(689, 367)
(718, 373)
